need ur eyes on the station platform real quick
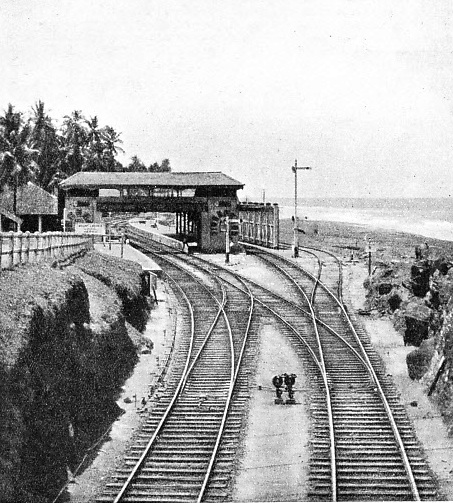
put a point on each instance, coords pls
(129, 253)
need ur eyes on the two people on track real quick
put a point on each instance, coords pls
(284, 379)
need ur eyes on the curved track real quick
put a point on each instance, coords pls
(363, 445)
(373, 451)
(185, 451)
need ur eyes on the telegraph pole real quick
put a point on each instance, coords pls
(296, 223)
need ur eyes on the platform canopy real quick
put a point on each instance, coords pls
(112, 180)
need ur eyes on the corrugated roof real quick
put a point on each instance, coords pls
(31, 200)
(131, 179)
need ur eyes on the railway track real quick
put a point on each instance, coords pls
(187, 447)
(373, 450)
(363, 445)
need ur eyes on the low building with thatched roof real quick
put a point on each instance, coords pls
(36, 209)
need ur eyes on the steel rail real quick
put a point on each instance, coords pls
(365, 362)
(292, 304)
(321, 367)
(183, 381)
(224, 418)
(320, 322)
(233, 377)
(405, 459)
(245, 280)
(339, 300)
(309, 249)
(142, 458)
(332, 449)
(340, 267)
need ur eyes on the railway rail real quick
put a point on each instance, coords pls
(186, 449)
(375, 452)
(363, 445)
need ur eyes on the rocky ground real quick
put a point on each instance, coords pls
(410, 284)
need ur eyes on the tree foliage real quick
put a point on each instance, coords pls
(35, 149)
(17, 157)
(137, 164)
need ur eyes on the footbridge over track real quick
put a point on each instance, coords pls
(201, 201)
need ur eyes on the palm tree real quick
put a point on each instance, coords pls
(17, 158)
(94, 147)
(44, 138)
(75, 140)
(111, 148)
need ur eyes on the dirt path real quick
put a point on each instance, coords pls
(275, 453)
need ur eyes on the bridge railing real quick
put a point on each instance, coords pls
(26, 247)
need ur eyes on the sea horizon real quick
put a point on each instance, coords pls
(424, 216)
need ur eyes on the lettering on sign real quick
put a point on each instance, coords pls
(92, 229)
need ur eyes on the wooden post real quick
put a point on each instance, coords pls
(21, 243)
(27, 247)
(276, 237)
(227, 241)
(12, 247)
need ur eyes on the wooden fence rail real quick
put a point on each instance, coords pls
(260, 224)
(26, 247)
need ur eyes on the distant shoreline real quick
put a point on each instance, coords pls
(340, 238)
(365, 201)
(433, 220)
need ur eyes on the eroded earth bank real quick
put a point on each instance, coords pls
(69, 333)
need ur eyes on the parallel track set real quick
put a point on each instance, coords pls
(363, 445)
(187, 448)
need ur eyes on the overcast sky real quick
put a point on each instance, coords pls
(361, 90)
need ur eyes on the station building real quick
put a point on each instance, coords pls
(200, 201)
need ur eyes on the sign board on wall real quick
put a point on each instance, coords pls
(93, 229)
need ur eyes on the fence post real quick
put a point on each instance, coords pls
(27, 247)
(59, 241)
(276, 226)
(21, 243)
(40, 246)
(11, 234)
(35, 248)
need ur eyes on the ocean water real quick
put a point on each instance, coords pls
(428, 217)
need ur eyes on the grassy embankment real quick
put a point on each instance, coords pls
(66, 346)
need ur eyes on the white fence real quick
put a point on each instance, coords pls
(24, 247)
